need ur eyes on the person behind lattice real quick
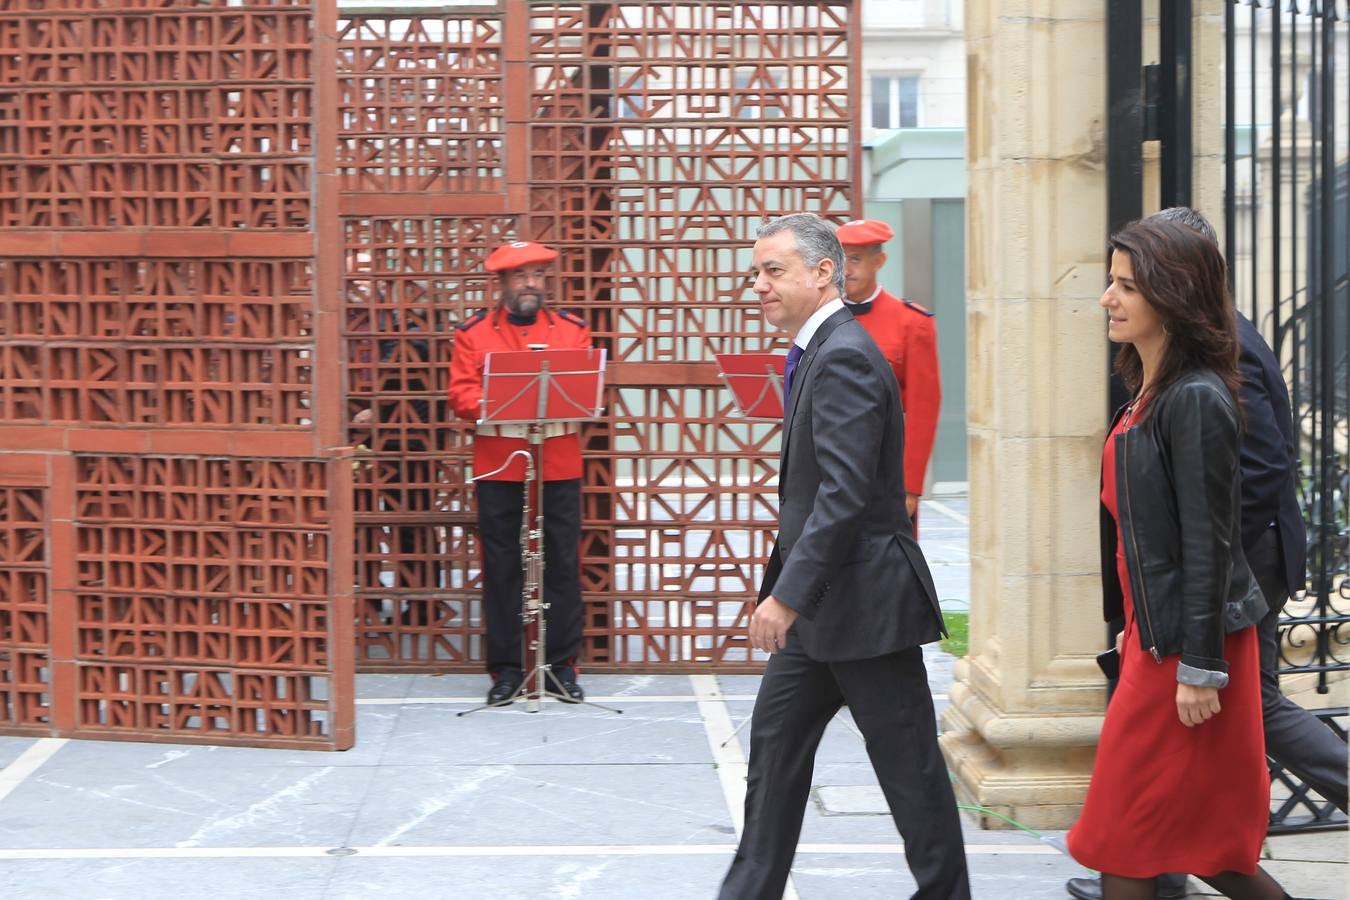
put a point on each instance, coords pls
(395, 426)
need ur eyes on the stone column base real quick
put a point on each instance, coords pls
(1033, 769)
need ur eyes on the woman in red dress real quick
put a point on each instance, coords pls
(1180, 782)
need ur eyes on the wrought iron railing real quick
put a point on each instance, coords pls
(1286, 220)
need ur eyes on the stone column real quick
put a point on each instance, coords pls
(1027, 703)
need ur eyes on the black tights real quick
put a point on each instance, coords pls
(1233, 885)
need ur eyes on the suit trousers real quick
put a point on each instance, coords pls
(893, 708)
(500, 504)
(1294, 737)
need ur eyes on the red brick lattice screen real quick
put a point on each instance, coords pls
(171, 484)
(236, 238)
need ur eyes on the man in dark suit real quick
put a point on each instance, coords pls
(1275, 543)
(847, 598)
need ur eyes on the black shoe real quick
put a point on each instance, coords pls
(563, 685)
(1169, 887)
(503, 690)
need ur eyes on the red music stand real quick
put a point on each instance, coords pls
(535, 387)
(756, 383)
(532, 389)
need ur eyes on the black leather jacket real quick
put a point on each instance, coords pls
(1178, 492)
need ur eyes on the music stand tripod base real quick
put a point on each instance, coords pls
(535, 701)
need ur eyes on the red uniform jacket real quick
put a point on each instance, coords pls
(904, 331)
(490, 331)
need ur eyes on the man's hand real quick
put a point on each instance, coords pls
(770, 623)
(911, 504)
(1196, 704)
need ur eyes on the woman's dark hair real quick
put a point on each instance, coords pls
(1182, 275)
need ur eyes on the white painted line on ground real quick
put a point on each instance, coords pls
(946, 511)
(896, 849)
(730, 761)
(732, 768)
(28, 762)
(613, 698)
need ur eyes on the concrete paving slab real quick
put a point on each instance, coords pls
(849, 800)
(532, 878)
(543, 804)
(69, 804)
(430, 734)
(1007, 877)
(236, 879)
(1310, 865)
(386, 686)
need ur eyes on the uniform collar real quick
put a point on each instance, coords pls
(863, 307)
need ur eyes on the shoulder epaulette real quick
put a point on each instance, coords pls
(571, 317)
(917, 308)
(472, 320)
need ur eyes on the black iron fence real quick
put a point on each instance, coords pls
(1285, 215)
(1286, 220)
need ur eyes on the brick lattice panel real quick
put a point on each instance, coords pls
(420, 104)
(213, 343)
(646, 142)
(202, 597)
(25, 622)
(164, 376)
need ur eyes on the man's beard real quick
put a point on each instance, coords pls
(523, 303)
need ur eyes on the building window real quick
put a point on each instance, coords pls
(895, 101)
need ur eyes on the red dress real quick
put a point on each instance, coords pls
(1164, 797)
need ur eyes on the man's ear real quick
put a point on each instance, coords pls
(825, 272)
(881, 258)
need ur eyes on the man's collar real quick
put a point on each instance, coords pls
(808, 329)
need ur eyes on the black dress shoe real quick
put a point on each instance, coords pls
(563, 685)
(1168, 887)
(503, 690)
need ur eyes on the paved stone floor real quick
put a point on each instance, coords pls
(566, 803)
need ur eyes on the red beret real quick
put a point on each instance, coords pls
(861, 232)
(517, 254)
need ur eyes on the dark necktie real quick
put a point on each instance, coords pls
(794, 355)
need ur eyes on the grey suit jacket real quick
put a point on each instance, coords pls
(845, 558)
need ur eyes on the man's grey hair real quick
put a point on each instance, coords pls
(1190, 218)
(815, 241)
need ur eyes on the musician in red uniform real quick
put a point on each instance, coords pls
(904, 331)
(523, 320)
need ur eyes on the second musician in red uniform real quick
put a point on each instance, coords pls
(905, 333)
(521, 321)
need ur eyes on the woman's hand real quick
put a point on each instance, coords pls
(1120, 639)
(1196, 704)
